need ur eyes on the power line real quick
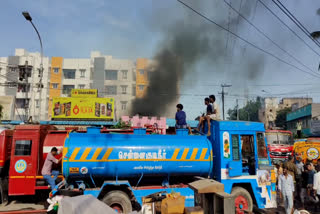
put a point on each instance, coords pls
(261, 32)
(275, 15)
(246, 41)
(295, 20)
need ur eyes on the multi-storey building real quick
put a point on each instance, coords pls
(122, 79)
(68, 74)
(20, 79)
(114, 78)
(272, 103)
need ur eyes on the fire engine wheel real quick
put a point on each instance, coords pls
(242, 200)
(119, 201)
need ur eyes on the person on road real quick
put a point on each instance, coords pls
(300, 169)
(47, 171)
(303, 185)
(286, 189)
(316, 185)
(292, 168)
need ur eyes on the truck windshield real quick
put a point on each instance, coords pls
(279, 138)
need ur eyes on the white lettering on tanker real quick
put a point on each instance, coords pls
(160, 155)
(150, 168)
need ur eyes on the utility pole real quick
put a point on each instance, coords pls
(237, 109)
(39, 85)
(222, 95)
(26, 105)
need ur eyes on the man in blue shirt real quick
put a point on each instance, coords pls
(181, 122)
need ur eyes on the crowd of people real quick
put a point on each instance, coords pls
(298, 184)
(211, 112)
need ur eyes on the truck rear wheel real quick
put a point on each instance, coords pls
(242, 200)
(118, 200)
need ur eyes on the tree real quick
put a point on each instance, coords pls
(250, 112)
(282, 118)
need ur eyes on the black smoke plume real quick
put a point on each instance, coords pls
(187, 43)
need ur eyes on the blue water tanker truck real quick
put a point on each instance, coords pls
(120, 169)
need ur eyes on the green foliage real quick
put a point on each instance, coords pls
(282, 118)
(250, 112)
(121, 125)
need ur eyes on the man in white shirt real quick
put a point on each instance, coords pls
(215, 107)
(286, 188)
(316, 182)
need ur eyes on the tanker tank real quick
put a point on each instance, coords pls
(132, 155)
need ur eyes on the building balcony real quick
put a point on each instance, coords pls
(23, 95)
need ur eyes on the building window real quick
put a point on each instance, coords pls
(37, 103)
(69, 73)
(124, 89)
(123, 105)
(23, 88)
(141, 72)
(66, 89)
(111, 75)
(22, 103)
(55, 85)
(141, 87)
(56, 70)
(81, 86)
(111, 90)
(124, 74)
(82, 73)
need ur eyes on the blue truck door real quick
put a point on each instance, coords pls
(235, 165)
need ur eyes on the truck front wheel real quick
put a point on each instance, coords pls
(242, 200)
(118, 201)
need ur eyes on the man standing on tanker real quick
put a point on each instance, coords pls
(47, 171)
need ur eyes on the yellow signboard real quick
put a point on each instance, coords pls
(84, 93)
(82, 108)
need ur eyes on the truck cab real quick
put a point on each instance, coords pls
(280, 144)
(22, 154)
(242, 163)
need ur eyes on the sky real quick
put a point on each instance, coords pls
(131, 29)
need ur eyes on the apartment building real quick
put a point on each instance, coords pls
(122, 79)
(272, 103)
(114, 78)
(19, 78)
(67, 74)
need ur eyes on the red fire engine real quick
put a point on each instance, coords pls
(280, 144)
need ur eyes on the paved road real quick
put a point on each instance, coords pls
(16, 205)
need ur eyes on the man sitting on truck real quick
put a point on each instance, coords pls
(206, 116)
(181, 117)
(215, 108)
(47, 171)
